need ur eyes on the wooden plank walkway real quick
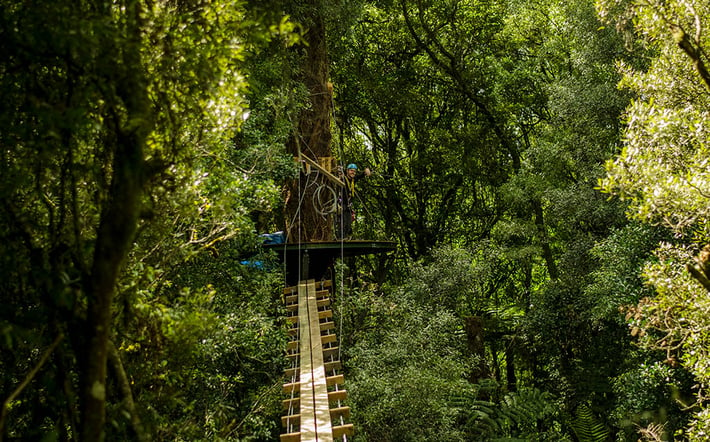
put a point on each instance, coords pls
(315, 382)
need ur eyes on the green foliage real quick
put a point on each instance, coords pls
(587, 426)
(521, 415)
(662, 169)
(207, 340)
(618, 281)
(400, 378)
(409, 116)
(651, 394)
(118, 165)
(662, 166)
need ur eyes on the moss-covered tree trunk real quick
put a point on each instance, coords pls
(312, 138)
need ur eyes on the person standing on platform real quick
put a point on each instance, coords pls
(346, 213)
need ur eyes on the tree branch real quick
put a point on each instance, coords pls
(25, 382)
(114, 359)
(694, 51)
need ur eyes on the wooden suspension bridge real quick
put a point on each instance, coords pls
(315, 406)
(315, 409)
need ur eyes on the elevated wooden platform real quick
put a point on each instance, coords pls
(312, 260)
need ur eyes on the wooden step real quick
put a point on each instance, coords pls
(291, 403)
(330, 352)
(291, 290)
(343, 430)
(333, 396)
(338, 379)
(291, 437)
(325, 314)
(329, 381)
(326, 283)
(320, 286)
(333, 365)
(325, 302)
(294, 419)
(329, 339)
(338, 412)
(292, 304)
(335, 413)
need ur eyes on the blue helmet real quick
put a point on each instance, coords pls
(352, 166)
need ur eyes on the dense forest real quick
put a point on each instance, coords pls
(543, 167)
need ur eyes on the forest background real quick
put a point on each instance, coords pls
(542, 166)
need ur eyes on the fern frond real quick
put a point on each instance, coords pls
(587, 427)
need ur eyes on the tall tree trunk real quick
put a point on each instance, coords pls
(115, 236)
(117, 225)
(312, 138)
(544, 240)
(511, 379)
(476, 346)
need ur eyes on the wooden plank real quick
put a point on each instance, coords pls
(339, 412)
(329, 325)
(292, 403)
(291, 437)
(294, 419)
(294, 387)
(312, 349)
(320, 285)
(308, 424)
(335, 396)
(329, 339)
(291, 387)
(332, 365)
(335, 414)
(344, 430)
(325, 173)
(335, 380)
(316, 399)
(330, 352)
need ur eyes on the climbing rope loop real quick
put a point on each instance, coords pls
(325, 200)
